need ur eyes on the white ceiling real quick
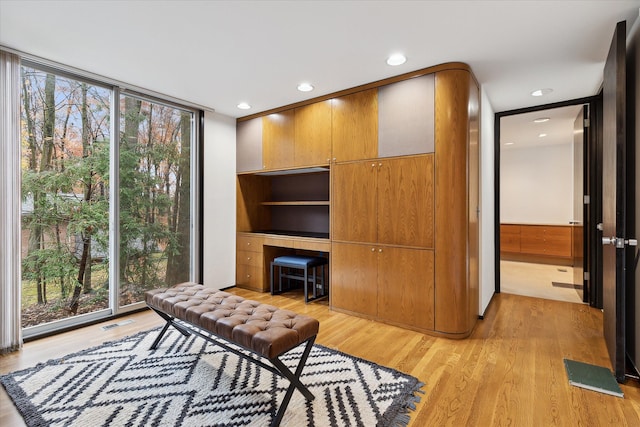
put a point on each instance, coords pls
(219, 53)
(520, 130)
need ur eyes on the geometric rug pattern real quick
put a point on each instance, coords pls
(190, 382)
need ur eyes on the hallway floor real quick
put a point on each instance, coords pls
(537, 280)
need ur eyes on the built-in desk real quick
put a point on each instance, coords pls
(255, 251)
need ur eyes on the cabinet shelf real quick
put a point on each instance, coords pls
(298, 203)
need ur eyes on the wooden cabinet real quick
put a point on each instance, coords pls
(354, 126)
(402, 213)
(354, 278)
(541, 240)
(312, 142)
(386, 201)
(249, 263)
(298, 137)
(510, 238)
(388, 283)
(406, 117)
(456, 202)
(405, 287)
(249, 145)
(278, 132)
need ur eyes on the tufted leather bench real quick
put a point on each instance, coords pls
(263, 329)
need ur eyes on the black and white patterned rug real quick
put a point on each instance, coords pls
(190, 382)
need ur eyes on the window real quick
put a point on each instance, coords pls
(107, 204)
(155, 189)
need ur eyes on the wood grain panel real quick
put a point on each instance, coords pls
(473, 182)
(250, 277)
(451, 208)
(251, 192)
(509, 238)
(278, 133)
(558, 241)
(405, 201)
(532, 239)
(249, 258)
(353, 202)
(312, 145)
(354, 270)
(355, 126)
(406, 294)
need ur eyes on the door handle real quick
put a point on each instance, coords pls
(619, 242)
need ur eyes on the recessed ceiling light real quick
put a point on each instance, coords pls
(542, 135)
(509, 143)
(305, 87)
(541, 120)
(396, 59)
(243, 106)
(541, 92)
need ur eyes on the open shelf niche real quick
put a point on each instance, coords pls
(292, 202)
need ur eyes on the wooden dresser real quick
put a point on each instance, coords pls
(542, 243)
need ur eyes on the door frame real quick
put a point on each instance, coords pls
(593, 169)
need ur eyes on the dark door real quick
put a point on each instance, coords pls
(615, 170)
(579, 206)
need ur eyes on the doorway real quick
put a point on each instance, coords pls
(542, 214)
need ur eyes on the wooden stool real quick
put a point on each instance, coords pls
(304, 263)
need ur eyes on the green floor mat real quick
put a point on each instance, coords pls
(592, 377)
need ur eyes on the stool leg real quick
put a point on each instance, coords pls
(314, 282)
(306, 283)
(271, 278)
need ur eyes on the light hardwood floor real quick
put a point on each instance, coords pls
(509, 372)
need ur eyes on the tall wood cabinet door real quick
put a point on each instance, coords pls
(278, 133)
(354, 126)
(405, 201)
(313, 134)
(405, 286)
(249, 145)
(353, 202)
(354, 270)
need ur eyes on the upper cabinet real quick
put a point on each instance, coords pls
(249, 145)
(386, 201)
(278, 131)
(312, 142)
(354, 126)
(406, 117)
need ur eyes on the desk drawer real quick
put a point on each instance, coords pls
(254, 259)
(249, 243)
(249, 276)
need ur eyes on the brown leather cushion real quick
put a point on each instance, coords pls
(263, 328)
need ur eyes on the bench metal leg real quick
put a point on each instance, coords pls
(170, 322)
(294, 381)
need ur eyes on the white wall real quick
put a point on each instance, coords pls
(536, 184)
(219, 194)
(487, 202)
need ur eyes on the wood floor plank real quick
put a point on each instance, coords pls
(510, 371)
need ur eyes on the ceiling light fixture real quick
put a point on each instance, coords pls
(396, 59)
(541, 92)
(542, 120)
(243, 106)
(542, 135)
(305, 87)
(509, 143)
